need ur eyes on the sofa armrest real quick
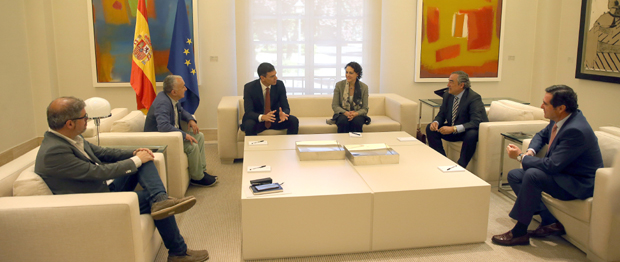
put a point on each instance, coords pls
(176, 160)
(403, 111)
(227, 127)
(78, 227)
(490, 140)
(605, 218)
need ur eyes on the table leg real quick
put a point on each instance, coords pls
(500, 185)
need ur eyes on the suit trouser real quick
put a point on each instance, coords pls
(346, 126)
(469, 138)
(252, 127)
(196, 158)
(528, 185)
(148, 177)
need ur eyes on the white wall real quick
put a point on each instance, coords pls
(16, 105)
(597, 100)
(46, 54)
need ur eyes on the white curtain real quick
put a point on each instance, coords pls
(308, 41)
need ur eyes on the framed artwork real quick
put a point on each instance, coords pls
(112, 31)
(454, 35)
(598, 54)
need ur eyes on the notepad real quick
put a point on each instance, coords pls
(453, 168)
(263, 168)
(259, 142)
(405, 139)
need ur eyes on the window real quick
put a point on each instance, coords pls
(308, 41)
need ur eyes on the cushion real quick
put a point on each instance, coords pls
(132, 122)
(538, 112)
(611, 129)
(609, 145)
(30, 184)
(105, 123)
(501, 112)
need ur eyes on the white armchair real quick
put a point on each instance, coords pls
(76, 227)
(593, 225)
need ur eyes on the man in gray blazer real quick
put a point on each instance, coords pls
(165, 115)
(70, 165)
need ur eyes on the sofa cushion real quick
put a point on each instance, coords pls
(609, 145)
(30, 184)
(537, 112)
(579, 209)
(132, 122)
(611, 129)
(501, 112)
(105, 123)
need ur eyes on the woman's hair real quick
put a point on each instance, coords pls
(357, 68)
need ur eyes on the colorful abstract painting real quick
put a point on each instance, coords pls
(114, 24)
(598, 54)
(458, 35)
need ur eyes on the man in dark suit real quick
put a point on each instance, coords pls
(566, 172)
(166, 114)
(459, 116)
(261, 113)
(69, 165)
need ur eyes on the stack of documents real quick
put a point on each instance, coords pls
(371, 154)
(319, 150)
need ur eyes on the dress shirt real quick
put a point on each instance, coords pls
(459, 128)
(176, 112)
(559, 124)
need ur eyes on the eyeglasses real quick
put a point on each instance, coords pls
(85, 117)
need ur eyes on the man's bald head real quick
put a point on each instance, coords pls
(63, 109)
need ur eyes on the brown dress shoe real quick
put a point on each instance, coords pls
(190, 256)
(555, 229)
(171, 206)
(506, 239)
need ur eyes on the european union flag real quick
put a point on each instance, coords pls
(181, 60)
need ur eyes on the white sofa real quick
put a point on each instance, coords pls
(388, 112)
(126, 128)
(593, 225)
(39, 226)
(504, 116)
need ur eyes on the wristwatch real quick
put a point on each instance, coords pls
(520, 157)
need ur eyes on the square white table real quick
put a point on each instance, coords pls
(331, 206)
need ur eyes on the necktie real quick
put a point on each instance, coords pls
(177, 116)
(267, 106)
(554, 131)
(455, 107)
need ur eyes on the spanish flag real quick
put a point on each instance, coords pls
(142, 66)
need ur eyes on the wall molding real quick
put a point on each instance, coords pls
(17, 151)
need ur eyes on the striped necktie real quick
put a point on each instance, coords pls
(455, 107)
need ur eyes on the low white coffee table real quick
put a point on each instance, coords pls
(331, 207)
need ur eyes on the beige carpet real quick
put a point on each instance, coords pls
(215, 224)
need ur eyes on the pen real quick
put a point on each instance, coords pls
(452, 167)
(258, 167)
(355, 133)
(256, 142)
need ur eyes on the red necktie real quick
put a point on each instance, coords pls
(267, 106)
(554, 131)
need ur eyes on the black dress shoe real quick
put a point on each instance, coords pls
(206, 181)
(507, 239)
(555, 229)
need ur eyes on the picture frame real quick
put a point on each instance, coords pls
(120, 38)
(598, 52)
(454, 35)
